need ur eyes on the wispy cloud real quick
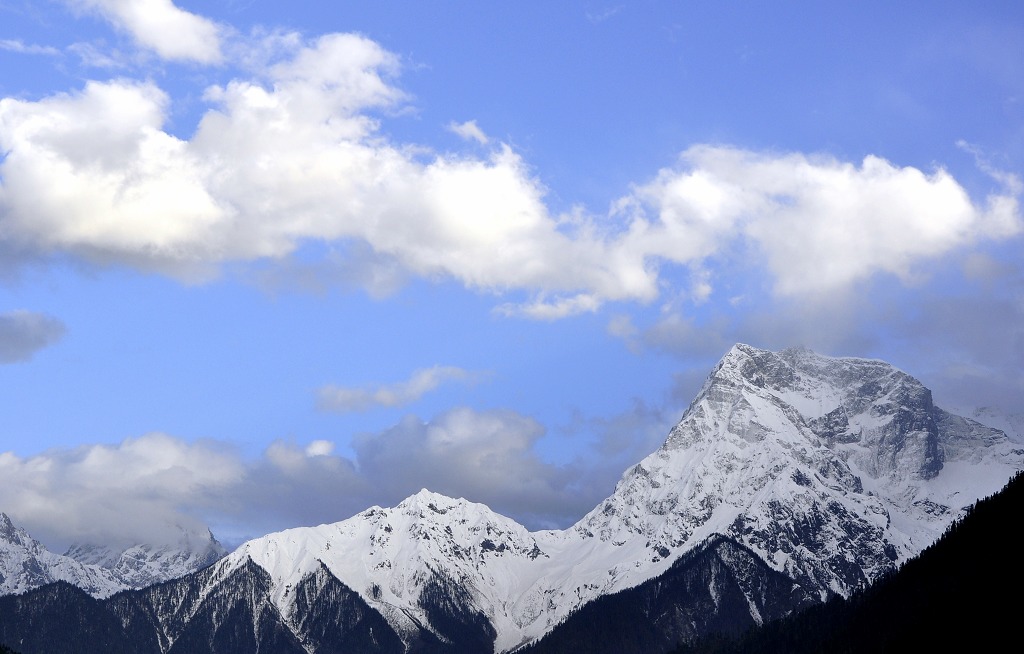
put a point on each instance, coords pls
(469, 131)
(345, 399)
(14, 45)
(23, 333)
(601, 15)
(96, 56)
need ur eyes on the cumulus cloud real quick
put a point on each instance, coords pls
(344, 399)
(821, 224)
(296, 154)
(23, 333)
(161, 26)
(486, 456)
(276, 162)
(148, 488)
(145, 488)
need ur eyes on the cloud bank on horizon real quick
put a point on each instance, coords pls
(155, 485)
(290, 168)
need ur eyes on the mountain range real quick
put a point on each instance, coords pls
(791, 478)
(25, 563)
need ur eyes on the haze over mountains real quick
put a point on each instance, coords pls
(791, 478)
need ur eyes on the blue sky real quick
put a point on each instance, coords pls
(282, 262)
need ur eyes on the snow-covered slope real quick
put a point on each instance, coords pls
(833, 470)
(25, 563)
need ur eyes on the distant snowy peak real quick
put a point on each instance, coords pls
(141, 565)
(25, 563)
(395, 549)
(1010, 423)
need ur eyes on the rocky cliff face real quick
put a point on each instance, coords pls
(833, 470)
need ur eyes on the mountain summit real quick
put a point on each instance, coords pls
(834, 470)
(790, 478)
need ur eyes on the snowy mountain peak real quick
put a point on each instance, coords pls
(426, 500)
(25, 563)
(832, 469)
(842, 401)
(144, 564)
(8, 532)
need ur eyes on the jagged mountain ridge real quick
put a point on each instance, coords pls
(831, 470)
(25, 563)
(143, 565)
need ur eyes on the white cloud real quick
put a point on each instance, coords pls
(159, 25)
(274, 164)
(1010, 181)
(146, 488)
(560, 308)
(621, 326)
(603, 14)
(469, 131)
(821, 224)
(462, 452)
(345, 399)
(142, 489)
(320, 448)
(95, 56)
(23, 333)
(296, 154)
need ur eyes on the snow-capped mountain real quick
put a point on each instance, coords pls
(1010, 423)
(830, 470)
(833, 470)
(25, 563)
(141, 565)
